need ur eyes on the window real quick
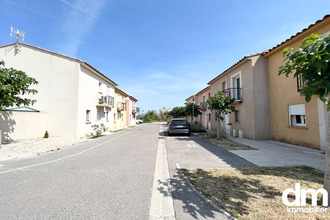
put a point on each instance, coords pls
(100, 87)
(297, 115)
(236, 86)
(223, 85)
(100, 114)
(107, 116)
(88, 116)
(210, 117)
(237, 116)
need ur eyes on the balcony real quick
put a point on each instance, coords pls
(203, 106)
(136, 110)
(121, 106)
(106, 101)
(235, 93)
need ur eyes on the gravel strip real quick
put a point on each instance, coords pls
(35, 147)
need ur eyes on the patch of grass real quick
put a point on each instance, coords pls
(225, 143)
(117, 130)
(256, 193)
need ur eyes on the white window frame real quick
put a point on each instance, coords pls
(234, 85)
(294, 112)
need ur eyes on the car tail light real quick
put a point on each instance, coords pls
(170, 125)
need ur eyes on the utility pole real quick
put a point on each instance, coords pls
(192, 116)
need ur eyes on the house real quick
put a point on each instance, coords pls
(191, 99)
(72, 95)
(205, 118)
(120, 109)
(247, 82)
(293, 120)
(132, 110)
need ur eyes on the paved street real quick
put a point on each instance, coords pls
(192, 153)
(112, 177)
(109, 178)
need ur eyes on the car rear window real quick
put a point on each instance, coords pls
(177, 122)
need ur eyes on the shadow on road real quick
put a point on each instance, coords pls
(191, 204)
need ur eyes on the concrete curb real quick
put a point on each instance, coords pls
(178, 168)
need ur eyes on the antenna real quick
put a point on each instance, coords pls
(16, 33)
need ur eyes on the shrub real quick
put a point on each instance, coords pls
(197, 128)
(99, 129)
(46, 135)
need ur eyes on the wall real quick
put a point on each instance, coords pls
(283, 92)
(246, 108)
(89, 94)
(57, 88)
(254, 110)
(261, 98)
(23, 125)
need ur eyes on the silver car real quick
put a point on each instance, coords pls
(178, 126)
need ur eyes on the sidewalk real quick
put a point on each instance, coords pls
(278, 154)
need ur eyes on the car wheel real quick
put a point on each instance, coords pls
(169, 134)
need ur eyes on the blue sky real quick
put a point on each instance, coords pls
(159, 51)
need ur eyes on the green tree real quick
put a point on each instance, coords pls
(13, 85)
(189, 111)
(221, 104)
(163, 114)
(311, 62)
(178, 112)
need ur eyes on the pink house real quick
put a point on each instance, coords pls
(201, 97)
(131, 111)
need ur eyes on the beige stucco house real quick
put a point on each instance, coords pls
(72, 95)
(120, 116)
(247, 82)
(294, 120)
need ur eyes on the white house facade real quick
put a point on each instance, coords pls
(72, 95)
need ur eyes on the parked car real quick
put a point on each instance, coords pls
(139, 121)
(178, 126)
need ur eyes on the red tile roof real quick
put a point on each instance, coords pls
(236, 64)
(299, 33)
(68, 57)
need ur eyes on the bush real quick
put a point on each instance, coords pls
(197, 128)
(99, 129)
(46, 135)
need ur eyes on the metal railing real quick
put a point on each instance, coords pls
(203, 106)
(107, 100)
(121, 106)
(136, 110)
(235, 93)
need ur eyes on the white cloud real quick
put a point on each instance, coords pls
(80, 17)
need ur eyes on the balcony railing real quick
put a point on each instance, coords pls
(106, 101)
(136, 110)
(121, 106)
(203, 106)
(235, 93)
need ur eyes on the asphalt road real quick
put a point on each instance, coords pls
(109, 178)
